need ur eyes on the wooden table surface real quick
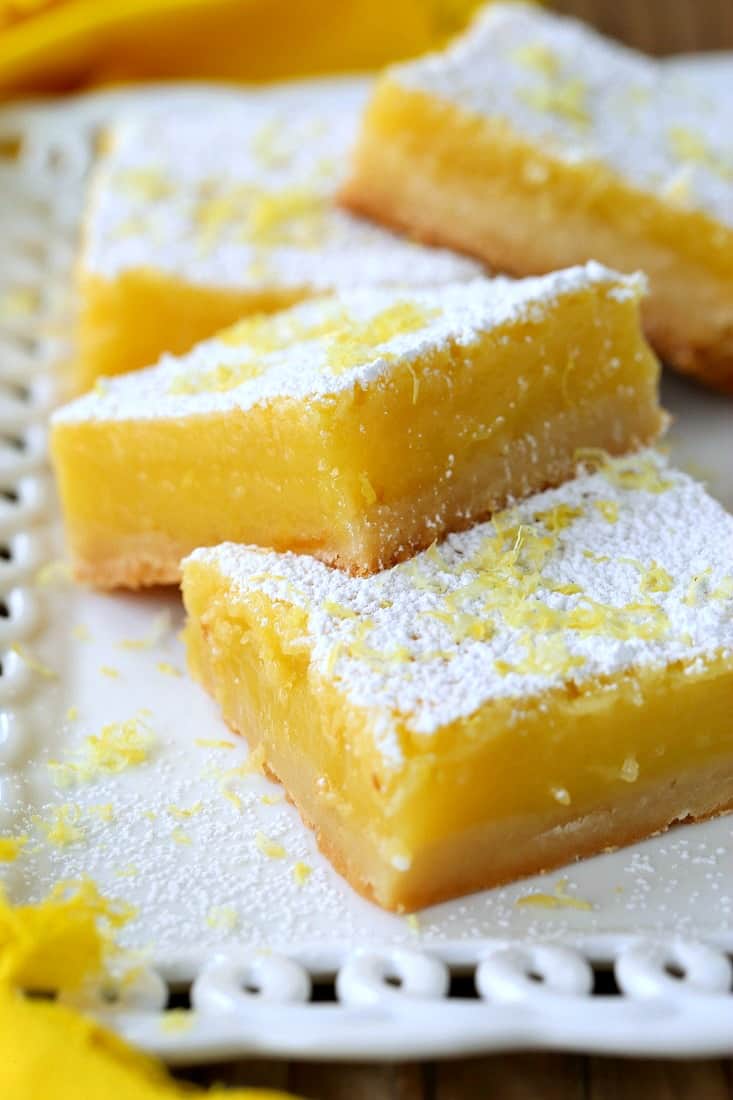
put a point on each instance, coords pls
(507, 1077)
(658, 26)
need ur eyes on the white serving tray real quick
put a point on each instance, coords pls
(217, 915)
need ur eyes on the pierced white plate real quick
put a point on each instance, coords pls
(215, 912)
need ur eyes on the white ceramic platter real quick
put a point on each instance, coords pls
(213, 909)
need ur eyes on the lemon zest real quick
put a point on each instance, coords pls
(11, 847)
(62, 828)
(118, 745)
(269, 848)
(168, 669)
(301, 873)
(560, 899)
(33, 662)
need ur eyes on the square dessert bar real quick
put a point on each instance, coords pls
(357, 428)
(534, 143)
(539, 688)
(200, 215)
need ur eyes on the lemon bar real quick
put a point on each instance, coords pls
(199, 216)
(539, 688)
(358, 428)
(534, 143)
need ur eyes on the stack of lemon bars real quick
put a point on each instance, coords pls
(432, 570)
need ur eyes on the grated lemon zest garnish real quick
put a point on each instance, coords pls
(63, 827)
(592, 556)
(117, 746)
(33, 662)
(110, 672)
(412, 922)
(695, 589)
(463, 625)
(567, 99)
(570, 589)
(145, 183)
(724, 591)
(268, 144)
(537, 56)
(295, 215)
(644, 476)
(591, 458)
(637, 564)
(272, 799)
(690, 145)
(81, 633)
(232, 797)
(301, 873)
(656, 579)
(168, 669)
(11, 847)
(269, 848)
(216, 209)
(183, 812)
(559, 517)
(608, 509)
(353, 343)
(212, 743)
(545, 656)
(336, 651)
(337, 610)
(180, 837)
(559, 900)
(633, 620)
(219, 379)
(72, 714)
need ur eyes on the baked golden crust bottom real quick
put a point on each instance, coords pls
(480, 190)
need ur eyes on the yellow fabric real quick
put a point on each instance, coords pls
(50, 1050)
(54, 45)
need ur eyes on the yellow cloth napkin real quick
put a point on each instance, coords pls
(49, 1050)
(57, 45)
